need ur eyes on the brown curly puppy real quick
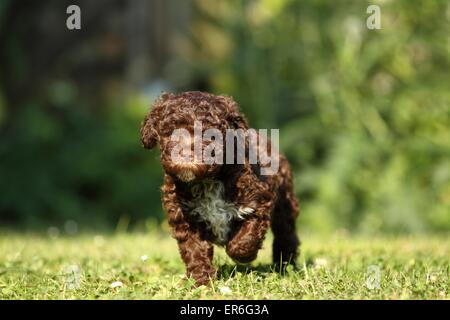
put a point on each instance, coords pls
(226, 204)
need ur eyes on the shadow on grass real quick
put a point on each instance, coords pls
(227, 271)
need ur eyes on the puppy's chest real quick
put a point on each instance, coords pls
(208, 204)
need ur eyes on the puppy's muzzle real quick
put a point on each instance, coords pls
(187, 172)
(186, 175)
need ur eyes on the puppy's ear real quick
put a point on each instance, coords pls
(234, 117)
(149, 128)
(149, 135)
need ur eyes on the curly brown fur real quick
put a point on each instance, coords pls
(265, 199)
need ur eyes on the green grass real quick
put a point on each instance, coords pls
(36, 267)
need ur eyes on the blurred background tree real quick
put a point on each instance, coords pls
(363, 114)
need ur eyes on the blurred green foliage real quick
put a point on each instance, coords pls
(67, 165)
(363, 117)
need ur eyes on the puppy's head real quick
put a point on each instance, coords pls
(180, 122)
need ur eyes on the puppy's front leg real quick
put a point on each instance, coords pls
(197, 255)
(256, 200)
(196, 252)
(244, 245)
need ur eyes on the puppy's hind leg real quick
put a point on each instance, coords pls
(286, 242)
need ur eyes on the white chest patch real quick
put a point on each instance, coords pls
(208, 205)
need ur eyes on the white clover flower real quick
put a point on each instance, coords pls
(225, 290)
(116, 284)
(144, 258)
(320, 263)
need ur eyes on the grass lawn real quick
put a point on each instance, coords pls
(149, 267)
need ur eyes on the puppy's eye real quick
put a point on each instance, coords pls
(167, 131)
